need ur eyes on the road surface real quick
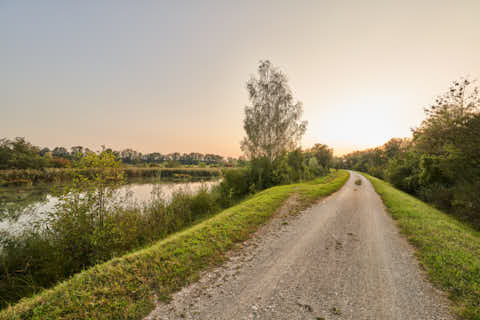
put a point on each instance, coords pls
(341, 259)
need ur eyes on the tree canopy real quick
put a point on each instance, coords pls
(272, 121)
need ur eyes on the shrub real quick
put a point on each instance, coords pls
(234, 186)
(299, 171)
(204, 202)
(60, 163)
(403, 172)
(436, 194)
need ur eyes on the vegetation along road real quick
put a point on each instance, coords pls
(341, 259)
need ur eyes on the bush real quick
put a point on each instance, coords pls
(204, 203)
(234, 186)
(60, 163)
(261, 173)
(403, 172)
(299, 170)
(437, 194)
(466, 201)
(315, 169)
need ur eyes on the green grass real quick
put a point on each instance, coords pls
(127, 287)
(448, 249)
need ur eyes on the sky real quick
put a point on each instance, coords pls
(170, 76)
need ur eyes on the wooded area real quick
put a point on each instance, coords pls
(440, 164)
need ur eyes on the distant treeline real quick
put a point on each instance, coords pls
(21, 154)
(18, 177)
(441, 162)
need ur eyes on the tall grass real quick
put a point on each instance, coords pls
(76, 237)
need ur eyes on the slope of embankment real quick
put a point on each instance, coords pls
(448, 249)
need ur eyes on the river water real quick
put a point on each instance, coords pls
(22, 207)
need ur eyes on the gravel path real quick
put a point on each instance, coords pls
(341, 259)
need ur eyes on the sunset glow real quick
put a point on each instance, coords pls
(170, 76)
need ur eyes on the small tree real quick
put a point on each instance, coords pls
(272, 122)
(323, 154)
(82, 221)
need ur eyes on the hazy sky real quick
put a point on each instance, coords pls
(170, 75)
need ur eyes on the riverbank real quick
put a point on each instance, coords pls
(61, 175)
(48, 241)
(127, 287)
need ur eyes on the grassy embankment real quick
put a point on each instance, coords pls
(126, 287)
(448, 249)
(53, 175)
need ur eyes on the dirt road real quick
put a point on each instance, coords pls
(341, 259)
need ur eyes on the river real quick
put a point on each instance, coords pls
(22, 207)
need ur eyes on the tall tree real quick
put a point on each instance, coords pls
(273, 120)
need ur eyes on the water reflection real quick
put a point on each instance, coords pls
(22, 207)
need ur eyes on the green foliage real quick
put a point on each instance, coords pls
(20, 154)
(403, 171)
(272, 122)
(299, 169)
(323, 154)
(314, 167)
(173, 164)
(441, 164)
(449, 142)
(203, 203)
(262, 173)
(374, 161)
(234, 186)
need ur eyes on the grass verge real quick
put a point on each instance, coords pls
(448, 249)
(127, 287)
